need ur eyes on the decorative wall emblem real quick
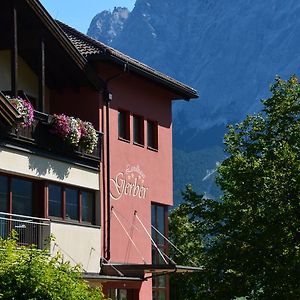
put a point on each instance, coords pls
(129, 183)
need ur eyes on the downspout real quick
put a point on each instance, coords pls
(107, 99)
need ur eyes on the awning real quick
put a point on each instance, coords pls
(142, 270)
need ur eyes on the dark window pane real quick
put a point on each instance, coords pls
(21, 196)
(88, 207)
(72, 204)
(112, 294)
(154, 255)
(123, 125)
(161, 281)
(3, 194)
(153, 215)
(138, 134)
(152, 141)
(122, 294)
(55, 201)
(160, 223)
(161, 294)
(154, 295)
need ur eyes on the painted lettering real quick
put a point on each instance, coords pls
(129, 183)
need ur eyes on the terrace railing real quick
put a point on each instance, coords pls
(30, 230)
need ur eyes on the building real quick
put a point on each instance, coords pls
(98, 205)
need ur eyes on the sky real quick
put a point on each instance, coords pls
(79, 13)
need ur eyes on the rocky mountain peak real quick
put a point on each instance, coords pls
(106, 25)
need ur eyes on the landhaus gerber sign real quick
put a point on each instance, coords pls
(129, 183)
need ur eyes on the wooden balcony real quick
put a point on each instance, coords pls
(39, 139)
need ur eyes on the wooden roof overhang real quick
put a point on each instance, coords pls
(64, 65)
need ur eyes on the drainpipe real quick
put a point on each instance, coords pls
(107, 99)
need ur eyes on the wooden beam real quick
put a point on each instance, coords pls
(14, 51)
(41, 100)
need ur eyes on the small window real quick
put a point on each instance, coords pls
(55, 201)
(152, 135)
(123, 125)
(138, 130)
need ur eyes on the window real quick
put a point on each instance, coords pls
(117, 294)
(159, 217)
(55, 200)
(70, 203)
(123, 125)
(3, 194)
(21, 196)
(16, 195)
(152, 135)
(88, 207)
(138, 130)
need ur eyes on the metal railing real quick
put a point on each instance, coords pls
(30, 230)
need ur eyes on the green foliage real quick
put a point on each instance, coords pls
(29, 273)
(251, 238)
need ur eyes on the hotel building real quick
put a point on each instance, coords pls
(102, 206)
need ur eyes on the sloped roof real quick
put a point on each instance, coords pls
(90, 47)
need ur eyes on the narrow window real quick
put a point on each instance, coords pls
(138, 130)
(21, 196)
(159, 217)
(55, 201)
(152, 135)
(72, 204)
(123, 125)
(88, 207)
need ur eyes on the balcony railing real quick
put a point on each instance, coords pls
(30, 230)
(39, 136)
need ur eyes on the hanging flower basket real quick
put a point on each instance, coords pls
(89, 137)
(24, 108)
(75, 132)
(68, 128)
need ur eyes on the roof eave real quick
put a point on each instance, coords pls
(59, 34)
(185, 93)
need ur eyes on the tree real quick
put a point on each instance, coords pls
(251, 237)
(29, 273)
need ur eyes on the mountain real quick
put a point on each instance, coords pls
(229, 50)
(106, 25)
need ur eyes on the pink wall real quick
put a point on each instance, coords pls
(143, 98)
(82, 103)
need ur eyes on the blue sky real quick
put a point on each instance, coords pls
(79, 13)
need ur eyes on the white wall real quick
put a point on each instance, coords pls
(26, 164)
(78, 245)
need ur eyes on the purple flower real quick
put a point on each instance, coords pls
(24, 108)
